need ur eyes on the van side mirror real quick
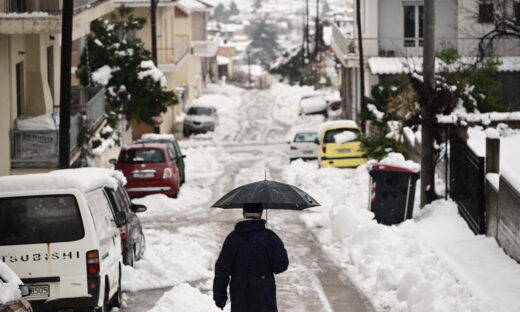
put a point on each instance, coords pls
(120, 218)
(138, 208)
(24, 289)
(113, 161)
(183, 156)
(317, 141)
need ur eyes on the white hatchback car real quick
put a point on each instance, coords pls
(303, 145)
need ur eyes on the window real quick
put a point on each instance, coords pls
(199, 111)
(329, 136)
(143, 155)
(50, 70)
(19, 89)
(39, 219)
(413, 25)
(485, 13)
(308, 137)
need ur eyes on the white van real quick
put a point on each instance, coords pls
(59, 234)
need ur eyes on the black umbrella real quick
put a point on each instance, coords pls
(272, 194)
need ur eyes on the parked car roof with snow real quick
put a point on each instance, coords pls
(83, 179)
(338, 124)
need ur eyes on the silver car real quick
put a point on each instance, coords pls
(303, 145)
(200, 119)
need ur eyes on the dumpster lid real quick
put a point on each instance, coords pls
(393, 168)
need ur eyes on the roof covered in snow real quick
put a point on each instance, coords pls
(190, 6)
(398, 65)
(83, 179)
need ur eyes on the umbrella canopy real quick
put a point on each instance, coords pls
(272, 194)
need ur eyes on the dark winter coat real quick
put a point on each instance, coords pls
(251, 255)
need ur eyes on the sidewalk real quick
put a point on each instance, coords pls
(430, 263)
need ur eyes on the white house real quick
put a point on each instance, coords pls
(392, 39)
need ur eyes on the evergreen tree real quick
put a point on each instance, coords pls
(233, 9)
(257, 4)
(264, 47)
(325, 8)
(221, 14)
(115, 59)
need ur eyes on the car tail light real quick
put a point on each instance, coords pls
(167, 174)
(294, 148)
(124, 230)
(324, 148)
(93, 262)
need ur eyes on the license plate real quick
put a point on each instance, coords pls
(141, 175)
(343, 150)
(307, 152)
(39, 292)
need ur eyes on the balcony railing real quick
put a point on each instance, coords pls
(346, 46)
(205, 48)
(52, 7)
(169, 58)
(39, 148)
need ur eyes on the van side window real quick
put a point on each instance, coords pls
(40, 219)
(101, 212)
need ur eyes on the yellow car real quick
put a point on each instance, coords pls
(339, 144)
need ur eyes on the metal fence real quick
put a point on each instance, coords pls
(39, 148)
(467, 181)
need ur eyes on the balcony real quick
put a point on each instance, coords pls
(205, 48)
(39, 148)
(44, 16)
(170, 59)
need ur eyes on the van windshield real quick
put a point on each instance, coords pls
(39, 219)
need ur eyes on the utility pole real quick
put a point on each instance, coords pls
(427, 109)
(306, 30)
(66, 51)
(317, 31)
(153, 21)
(249, 67)
(361, 59)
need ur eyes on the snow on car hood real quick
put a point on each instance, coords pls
(9, 291)
(200, 118)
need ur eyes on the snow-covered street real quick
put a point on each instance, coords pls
(340, 258)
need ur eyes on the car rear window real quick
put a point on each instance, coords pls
(143, 155)
(305, 137)
(39, 219)
(329, 135)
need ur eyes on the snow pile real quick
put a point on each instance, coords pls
(345, 136)
(377, 113)
(9, 283)
(102, 75)
(430, 263)
(48, 121)
(398, 160)
(158, 137)
(173, 258)
(150, 70)
(83, 179)
(184, 298)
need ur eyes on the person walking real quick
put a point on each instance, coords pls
(250, 256)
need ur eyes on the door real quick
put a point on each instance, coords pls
(20, 89)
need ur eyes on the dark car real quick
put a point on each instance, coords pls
(132, 237)
(172, 142)
(149, 168)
